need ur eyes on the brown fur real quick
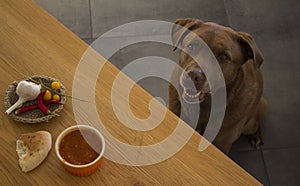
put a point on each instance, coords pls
(242, 75)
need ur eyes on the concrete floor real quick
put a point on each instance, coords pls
(273, 24)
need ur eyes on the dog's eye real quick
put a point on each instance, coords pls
(223, 57)
(192, 47)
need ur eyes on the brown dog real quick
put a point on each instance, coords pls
(240, 61)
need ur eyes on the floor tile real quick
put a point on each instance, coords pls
(252, 162)
(88, 40)
(74, 14)
(108, 14)
(159, 91)
(281, 131)
(281, 75)
(127, 54)
(157, 87)
(263, 16)
(283, 166)
(281, 89)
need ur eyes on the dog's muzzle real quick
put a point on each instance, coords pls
(195, 85)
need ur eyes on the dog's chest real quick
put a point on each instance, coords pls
(195, 115)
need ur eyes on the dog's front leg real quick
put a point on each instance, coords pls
(225, 139)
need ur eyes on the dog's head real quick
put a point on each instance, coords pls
(231, 49)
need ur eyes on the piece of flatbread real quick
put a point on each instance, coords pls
(32, 149)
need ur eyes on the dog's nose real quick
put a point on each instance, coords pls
(197, 75)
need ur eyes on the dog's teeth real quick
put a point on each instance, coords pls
(190, 95)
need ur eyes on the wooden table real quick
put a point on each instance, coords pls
(33, 42)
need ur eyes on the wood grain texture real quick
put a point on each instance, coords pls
(32, 42)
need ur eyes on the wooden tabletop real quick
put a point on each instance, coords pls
(33, 42)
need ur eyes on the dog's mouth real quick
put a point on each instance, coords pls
(195, 87)
(193, 97)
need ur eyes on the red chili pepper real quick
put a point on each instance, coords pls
(49, 102)
(25, 109)
(32, 107)
(41, 105)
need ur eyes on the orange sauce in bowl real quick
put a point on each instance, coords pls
(80, 147)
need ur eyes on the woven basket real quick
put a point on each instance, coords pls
(33, 116)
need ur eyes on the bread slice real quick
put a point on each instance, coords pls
(32, 149)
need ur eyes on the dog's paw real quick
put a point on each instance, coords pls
(256, 139)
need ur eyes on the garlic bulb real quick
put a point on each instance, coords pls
(26, 91)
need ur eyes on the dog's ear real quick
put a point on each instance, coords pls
(181, 28)
(249, 49)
